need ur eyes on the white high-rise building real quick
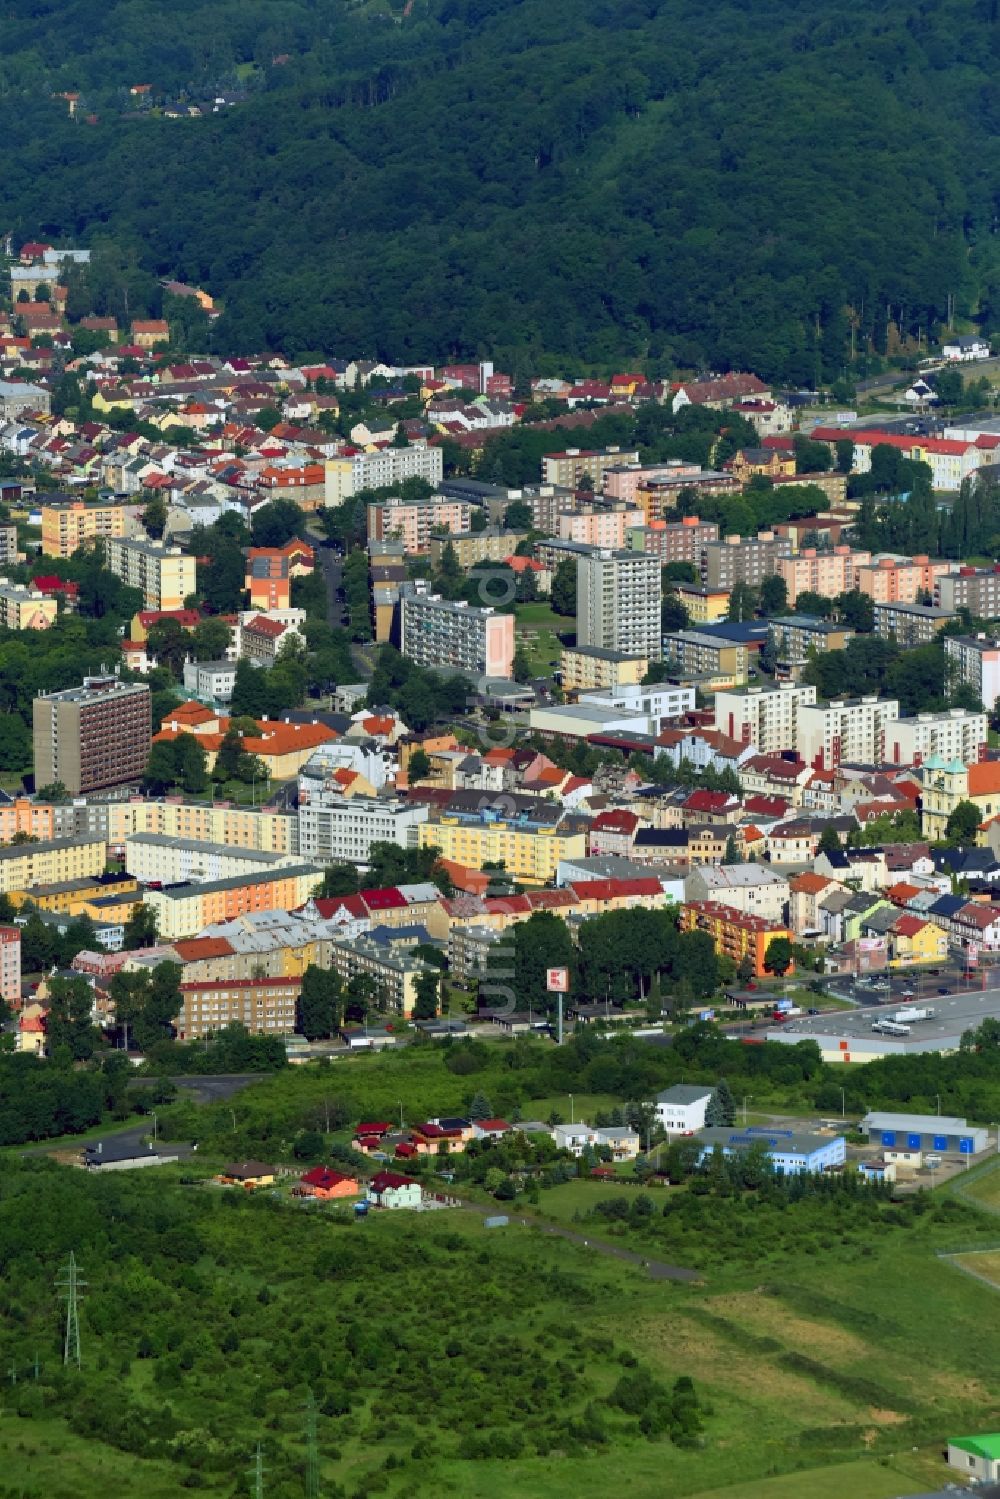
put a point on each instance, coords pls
(957, 734)
(767, 717)
(618, 602)
(854, 731)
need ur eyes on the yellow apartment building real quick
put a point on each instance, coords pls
(68, 524)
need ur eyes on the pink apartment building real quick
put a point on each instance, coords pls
(599, 528)
(825, 573)
(10, 964)
(898, 580)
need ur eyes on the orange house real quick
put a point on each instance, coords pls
(324, 1184)
(734, 934)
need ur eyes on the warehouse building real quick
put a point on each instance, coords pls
(923, 1132)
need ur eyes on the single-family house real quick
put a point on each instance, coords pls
(681, 1109)
(388, 1189)
(249, 1174)
(324, 1183)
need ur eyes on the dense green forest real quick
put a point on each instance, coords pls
(547, 181)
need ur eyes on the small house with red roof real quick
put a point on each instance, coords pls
(489, 1129)
(613, 832)
(325, 1184)
(388, 1189)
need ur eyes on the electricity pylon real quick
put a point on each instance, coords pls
(70, 1287)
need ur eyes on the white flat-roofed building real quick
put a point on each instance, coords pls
(764, 716)
(957, 734)
(975, 660)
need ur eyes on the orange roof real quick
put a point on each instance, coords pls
(984, 777)
(191, 713)
(202, 947)
(902, 892)
(751, 834)
(498, 757)
(809, 883)
(473, 881)
(344, 776)
(376, 725)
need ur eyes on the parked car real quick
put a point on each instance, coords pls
(812, 1010)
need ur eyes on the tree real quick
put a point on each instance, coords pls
(773, 595)
(521, 665)
(15, 743)
(856, 609)
(170, 643)
(778, 956)
(419, 766)
(745, 970)
(275, 523)
(563, 594)
(69, 1019)
(845, 455)
(161, 768)
(52, 791)
(191, 764)
(154, 517)
(829, 840)
(141, 928)
(338, 879)
(964, 823)
(319, 1011)
(426, 988)
(742, 602)
(731, 855)
(517, 516)
(160, 1008)
(210, 640)
(721, 1107)
(480, 1107)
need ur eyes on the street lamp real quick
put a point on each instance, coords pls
(843, 1105)
(572, 1119)
(938, 1097)
(747, 1097)
(401, 1113)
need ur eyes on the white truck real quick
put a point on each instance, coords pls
(890, 1028)
(910, 1014)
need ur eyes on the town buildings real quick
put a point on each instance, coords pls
(975, 660)
(381, 468)
(766, 717)
(91, 737)
(416, 522)
(451, 635)
(164, 575)
(67, 525)
(25, 608)
(735, 934)
(737, 560)
(568, 468)
(854, 730)
(619, 602)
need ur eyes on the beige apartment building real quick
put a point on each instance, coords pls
(25, 608)
(164, 575)
(900, 580)
(599, 528)
(470, 547)
(50, 863)
(265, 1006)
(591, 668)
(724, 663)
(68, 525)
(568, 468)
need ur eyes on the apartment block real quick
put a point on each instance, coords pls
(738, 560)
(589, 668)
(8, 546)
(155, 858)
(900, 580)
(735, 934)
(495, 544)
(659, 498)
(825, 573)
(972, 588)
(414, 522)
(910, 624)
(624, 481)
(68, 525)
(619, 598)
(705, 606)
(682, 540)
(264, 1006)
(796, 634)
(545, 501)
(164, 575)
(568, 468)
(393, 971)
(346, 476)
(186, 910)
(950, 461)
(724, 662)
(599, 527)
(452, 635)
(10, 965)
(340, 829)
(93, 736)
(956, 735)
(763, 716)
(270, 571)
(975, 660)
(529, 836)
(847, 731)
(50, 863)
(25, 608)
(753, 889)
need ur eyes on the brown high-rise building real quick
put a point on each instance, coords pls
(94, 736)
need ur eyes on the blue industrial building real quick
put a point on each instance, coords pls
(791, 1152)
(926, 1132)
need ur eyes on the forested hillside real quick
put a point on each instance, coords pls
(648, 179)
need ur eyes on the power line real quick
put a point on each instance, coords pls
(70, 1286)
(257, 1473)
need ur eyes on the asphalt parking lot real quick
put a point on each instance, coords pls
(953, 1014)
